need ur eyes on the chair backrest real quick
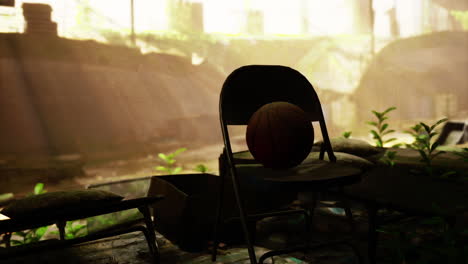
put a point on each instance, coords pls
(249, 87)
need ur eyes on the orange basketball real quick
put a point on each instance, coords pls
(279, 135)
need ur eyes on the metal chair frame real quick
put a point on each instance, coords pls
(247, 89)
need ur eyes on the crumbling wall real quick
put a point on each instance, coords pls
(425, 77)
(61, 96)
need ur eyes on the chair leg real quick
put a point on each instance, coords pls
(7, 239)
(217, 223)
(243, 218)
(61, 228)
(348, 213)
(310, 216)
(147, 235)
(372, 233)
(352, 226)
(308, 227)
(151, 238)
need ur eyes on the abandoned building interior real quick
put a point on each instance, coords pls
(234, 131)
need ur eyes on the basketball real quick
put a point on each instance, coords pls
(279, 135)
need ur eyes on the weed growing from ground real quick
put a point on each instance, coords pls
(381, 127)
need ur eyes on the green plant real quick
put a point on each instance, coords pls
(201, 168)
(38, 189)
(389, 158)
(462, 17)
(463, 154)
(5, 197)
(381, 128)
(397, 242)
(29, 236)
(170, 160)
(73, 229)
(347, 134)
(35, 234)
(433, 241)
(423, 135)
(101, 222)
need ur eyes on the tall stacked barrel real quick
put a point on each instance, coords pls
(38, 19)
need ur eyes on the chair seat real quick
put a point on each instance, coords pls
(312, 172)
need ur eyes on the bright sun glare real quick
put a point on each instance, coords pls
(280, 18)
(220, 16)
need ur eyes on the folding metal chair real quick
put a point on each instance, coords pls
(246, 90)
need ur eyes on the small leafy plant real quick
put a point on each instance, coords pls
(389, 158)
(381, 127)
(423, 135)
(433, 241)
(347, 134)
(73, 229)
(201, 168)
(169, 161)
(35, 234)
(5, 197)
(29, 236)
(463, 154)
(38, 189)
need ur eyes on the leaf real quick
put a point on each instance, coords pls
(16, 242)
(201, 168)
(422, 137)
(388, 132)
(391, 154)
(161, 168)
(76, 228)
(447, 174)
(41, 231)
(375, 134)
(39, 188)
(180, 150)
(410, 146)
(423, 155)
(416, 128)
(384, 126)
(389, 140)
(434, 146)
(20, 233)
(437, 154)
(372, 123)
(162, 156)
(389, 109)
(439, 122)
(426, 127)
(177, 170)
(377, 114)
(6, 196)
(347, 134)
(432, 134)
